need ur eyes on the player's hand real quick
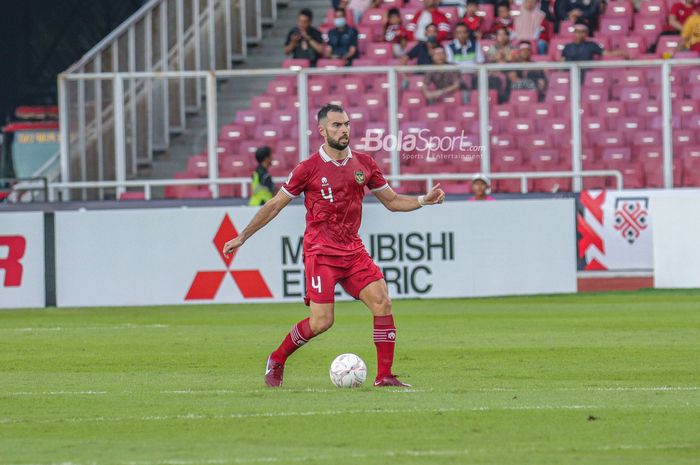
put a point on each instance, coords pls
(434, 195)
(232, 245)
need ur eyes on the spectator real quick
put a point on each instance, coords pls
(680, 11)
(358, 7)
(501, 51)
(463, 49)
(578, 11)
(438, 84)
(262, 185)
(532, 24)
(527, 79)
(583, 50)
(342, 39)
(304, 40)
(428, 15)
(422, 51)
(394, 32)
(691, 31)
(480, 188)
(472, 20)
(502, 20)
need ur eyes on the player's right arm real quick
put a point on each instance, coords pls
(266, 214)
(295, 185)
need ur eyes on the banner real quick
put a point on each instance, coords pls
(615, 228)
(173, 256)
(22, 260)
(676, 246)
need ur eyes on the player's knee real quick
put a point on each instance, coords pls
(382, 305)
(321, 324)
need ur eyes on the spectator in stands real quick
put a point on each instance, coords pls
(422, 51)
(395, 33)
(502, 20)
(531, 24)
(262, 186)
(578, 11)
(527, 79)
(471, 20)
(680, 11)
(583, 50)
(356, 7)
(480, 188)
(691, 31)
(500, 51)
(438, 84)
(463, 50)
(342, 39)
(305, 41)
(428, 15)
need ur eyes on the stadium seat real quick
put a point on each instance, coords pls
(249, 119)
(380, 52)
(198, 166)
(282, 86)
(614, 25)
(620, 9)
(691, 122)
(132, 195)
(523, 96)
(632, 173)
(652, 9)
(598, 78)
(633, 45)
(667, 44)
(295, 63)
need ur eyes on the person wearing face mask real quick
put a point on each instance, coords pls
(422, 51)
(342, 39)
(429, 15)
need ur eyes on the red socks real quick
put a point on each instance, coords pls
(299, 335)
(384, 340)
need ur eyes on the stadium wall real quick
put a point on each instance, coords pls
(676, 246)
(172, 255)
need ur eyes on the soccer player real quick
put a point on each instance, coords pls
(333, 181)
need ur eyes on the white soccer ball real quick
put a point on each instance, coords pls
(348, 371)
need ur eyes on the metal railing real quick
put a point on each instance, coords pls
(162, 36)
(430, 179)
(16, 190)
(126, 136)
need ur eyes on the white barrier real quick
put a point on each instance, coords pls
(22, 260)
(172, 256)
(616, 228)
(676, 245)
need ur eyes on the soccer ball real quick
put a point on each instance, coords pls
(348, 371)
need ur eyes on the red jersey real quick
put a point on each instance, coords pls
(473, 22)
(333, 192)
(682, 11)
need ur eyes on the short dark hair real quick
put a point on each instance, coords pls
(525, 42)
(503, 4)
(472, 2)
(328, 108)
(393, 11)
(262, 153)
(340, 9)
(460, 24)
(308, 13)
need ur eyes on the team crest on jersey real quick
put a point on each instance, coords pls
(360, 177)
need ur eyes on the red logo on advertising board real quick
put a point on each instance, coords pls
(206, 283)
(16, 246)
(631, 217)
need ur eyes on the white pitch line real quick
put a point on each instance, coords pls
(231, 416)
(388, 454)
(90, 328)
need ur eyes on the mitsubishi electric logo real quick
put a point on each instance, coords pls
(206, 283)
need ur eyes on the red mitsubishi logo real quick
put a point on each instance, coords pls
(206, 283)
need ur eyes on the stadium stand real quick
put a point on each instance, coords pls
(621, 123)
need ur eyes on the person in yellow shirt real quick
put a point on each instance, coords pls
(691, 31)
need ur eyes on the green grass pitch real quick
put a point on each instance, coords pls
(577, 379)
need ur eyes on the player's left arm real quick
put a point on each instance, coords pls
(406, 203)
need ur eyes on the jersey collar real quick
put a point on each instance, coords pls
(328, 158)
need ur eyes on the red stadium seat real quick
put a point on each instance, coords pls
(691, 122)
(610, 139)
(646, 138)
(649, 28)
(652, 9)
(380, 52)
(330, 63)
(249, 119)
(598, 78)
(295, 63)
(667, 44)
(595, 95)
(523, 96)
(619, 9)
(684, 138)
(633, 45)
(282, 85)
(609, 154)
(373, 17)
(198, 166)
(632, 173)
(614, 26)
(132, 195)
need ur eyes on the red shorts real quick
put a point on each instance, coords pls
(353, 272)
